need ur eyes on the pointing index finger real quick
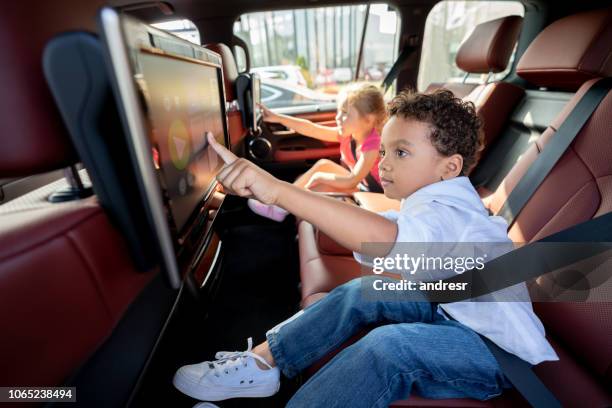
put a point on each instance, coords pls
(226, 155)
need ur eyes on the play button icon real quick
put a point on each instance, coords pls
(178, 144)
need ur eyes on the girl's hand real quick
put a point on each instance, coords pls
(318, 179)
(268, 115)
(243, 178)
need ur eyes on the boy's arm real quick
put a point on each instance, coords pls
(346, 224)
(349, 225)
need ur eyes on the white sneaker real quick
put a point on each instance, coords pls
(205, 405)
(232, 375)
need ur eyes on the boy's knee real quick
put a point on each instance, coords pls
(376, 345)
(378, 337)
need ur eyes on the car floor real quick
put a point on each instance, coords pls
(257, 289)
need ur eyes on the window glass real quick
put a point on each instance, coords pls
(241, 59)
(380, 45)
(306, 56)
(448, 24)
(181, 28)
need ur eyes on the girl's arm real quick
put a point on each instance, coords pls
(302, 126)
(359, 172)
(347, 224)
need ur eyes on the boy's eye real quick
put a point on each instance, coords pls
(381, 153)
(401, 153)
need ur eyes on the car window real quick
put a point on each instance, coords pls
(380, 45)
(306, 56)
(185, 29)
(447, 25)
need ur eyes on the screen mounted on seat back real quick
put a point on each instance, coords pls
(183, 107)
(170, 94)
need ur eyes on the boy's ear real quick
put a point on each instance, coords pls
(453, 167)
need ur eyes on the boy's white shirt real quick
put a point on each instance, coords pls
(451, 211)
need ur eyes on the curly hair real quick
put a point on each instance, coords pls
(455, 126)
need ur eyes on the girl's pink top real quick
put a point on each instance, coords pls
(372, 142)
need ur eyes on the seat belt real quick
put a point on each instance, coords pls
(373, 185)
(521, 375)
(553, 151)
(586, 240)
(518, 371)
(398, 65)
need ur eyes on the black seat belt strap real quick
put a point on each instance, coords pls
(521, 375)
(398, 65)
(553, 151)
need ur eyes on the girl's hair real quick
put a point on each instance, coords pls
(368, 100)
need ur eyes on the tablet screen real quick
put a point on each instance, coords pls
(183, 105)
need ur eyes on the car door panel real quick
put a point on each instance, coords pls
(290, 147)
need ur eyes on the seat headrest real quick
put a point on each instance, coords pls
(489, 46)
(230, 68)
(33, 136)
(570, 51)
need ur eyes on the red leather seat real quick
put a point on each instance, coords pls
(488, 50)
(569, 54)
(236, 128)
(65, 275)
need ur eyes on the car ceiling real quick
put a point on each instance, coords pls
(211, 9)
(201, 10)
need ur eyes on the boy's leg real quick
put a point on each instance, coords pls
(321, 328)
(440, 360)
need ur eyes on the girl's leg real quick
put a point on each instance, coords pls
(321, 328)
(323, 165)
(277, 213)
(438, 360)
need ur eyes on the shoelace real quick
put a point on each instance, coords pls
(225, 358)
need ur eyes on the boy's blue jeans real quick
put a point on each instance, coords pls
(415, 351)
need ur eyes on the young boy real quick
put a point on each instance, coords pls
(434, 351)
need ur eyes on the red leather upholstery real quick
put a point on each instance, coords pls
(66, 279)
(570, 51)
(576, 189)
(489, 46)
(230, 69)
(460, 90)
(494, 102)
(30, 123)
(322, 273)
(236, 128)
(488, 49)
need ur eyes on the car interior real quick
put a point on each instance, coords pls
(122, 259)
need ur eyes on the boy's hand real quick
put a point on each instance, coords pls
(268, 115)
(243, 178)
